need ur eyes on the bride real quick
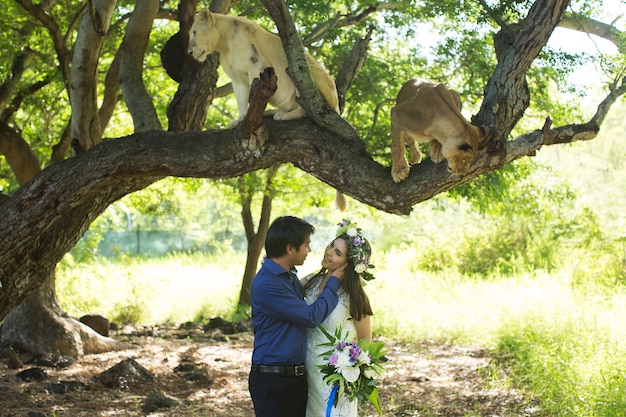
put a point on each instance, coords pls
(352, 313)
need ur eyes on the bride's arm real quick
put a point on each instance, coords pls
(364, 328)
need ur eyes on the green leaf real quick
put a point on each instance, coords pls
(373, 398)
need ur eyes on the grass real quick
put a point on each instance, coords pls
(558, 342)
(171, 289)
(576, 363)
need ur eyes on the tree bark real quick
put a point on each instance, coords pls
(133, 50)
(83, 79)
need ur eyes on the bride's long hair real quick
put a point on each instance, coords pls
(359, 302)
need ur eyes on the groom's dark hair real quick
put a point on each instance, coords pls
(286, 230)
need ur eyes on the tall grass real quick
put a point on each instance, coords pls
(575, 362)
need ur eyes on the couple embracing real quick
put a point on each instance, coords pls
(284, 378)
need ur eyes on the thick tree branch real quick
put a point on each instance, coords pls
(251, 132)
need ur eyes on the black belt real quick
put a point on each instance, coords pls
(297, 370)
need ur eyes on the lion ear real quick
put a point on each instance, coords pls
(204, 14)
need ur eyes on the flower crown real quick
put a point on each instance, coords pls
(360, 250)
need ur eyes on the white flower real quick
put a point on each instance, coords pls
(343, 361)
(370, 373)
(360, 268)
(364, 358)
(351, 232)
(351, 373)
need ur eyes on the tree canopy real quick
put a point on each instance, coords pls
(75, 73)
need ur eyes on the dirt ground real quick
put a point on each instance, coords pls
(204, 373)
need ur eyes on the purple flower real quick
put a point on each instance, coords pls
(358, 241)
(354, 354)
(332, 360)
(351, 349)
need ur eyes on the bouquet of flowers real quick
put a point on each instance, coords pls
(350, 368)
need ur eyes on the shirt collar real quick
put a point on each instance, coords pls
(276, 269)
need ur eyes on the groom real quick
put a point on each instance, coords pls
(280, 316)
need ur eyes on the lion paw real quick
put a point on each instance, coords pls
(399, 172)
(437, 158)
(290, 115)
(436, 152)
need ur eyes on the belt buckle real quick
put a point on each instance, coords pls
(299, 370)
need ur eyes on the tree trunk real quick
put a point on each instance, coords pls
(256, 241)
(255, 246)
(38, 325)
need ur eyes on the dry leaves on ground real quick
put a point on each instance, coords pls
(200, 373)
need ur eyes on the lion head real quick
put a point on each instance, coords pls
(203, 36)
(461, 153)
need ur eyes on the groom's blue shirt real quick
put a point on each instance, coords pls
(280, 315)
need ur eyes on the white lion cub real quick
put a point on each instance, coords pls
(246, 49)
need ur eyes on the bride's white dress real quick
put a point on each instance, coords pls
(319, 391)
